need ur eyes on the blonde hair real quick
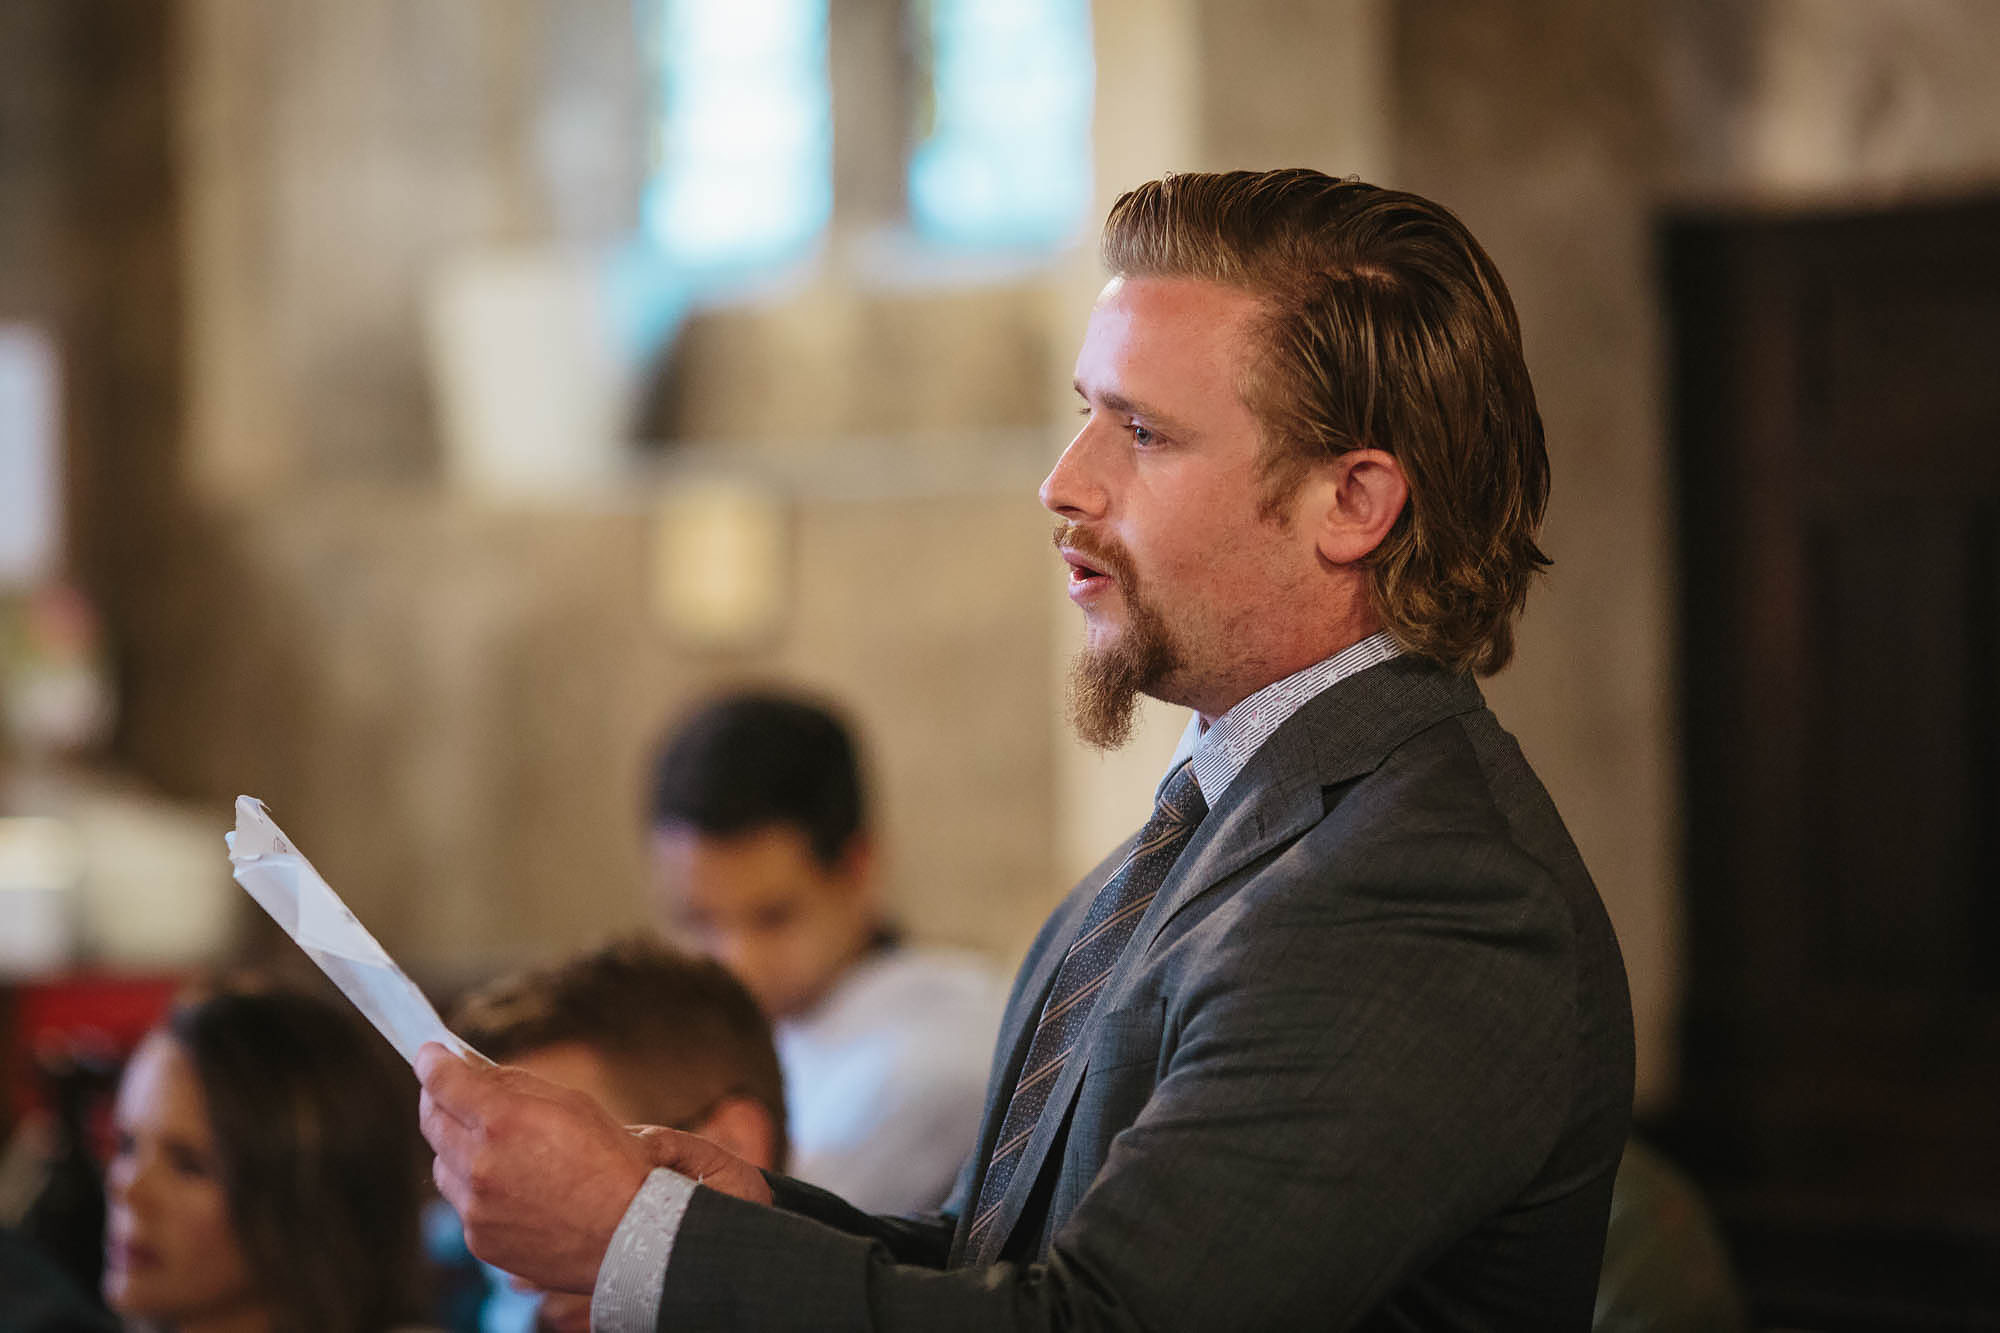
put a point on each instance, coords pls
(1385, 326)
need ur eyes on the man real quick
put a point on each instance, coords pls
(654, 1037)
(764, 861)
(1341, 1039)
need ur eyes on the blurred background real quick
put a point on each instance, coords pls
(409, 407)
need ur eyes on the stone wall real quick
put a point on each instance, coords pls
(450, 705)
(451, 697)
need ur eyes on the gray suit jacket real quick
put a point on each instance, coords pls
(1366, 1064)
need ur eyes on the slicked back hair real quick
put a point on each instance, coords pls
(1385, 326)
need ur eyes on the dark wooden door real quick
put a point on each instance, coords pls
(1838, 477)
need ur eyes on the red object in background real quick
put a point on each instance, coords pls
(99, 1013)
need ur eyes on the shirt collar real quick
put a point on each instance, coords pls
(1219, 752)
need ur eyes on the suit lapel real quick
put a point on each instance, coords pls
(1252, 817)
(1340, 735)
(1343, 733)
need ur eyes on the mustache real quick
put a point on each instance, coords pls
(1103, 553)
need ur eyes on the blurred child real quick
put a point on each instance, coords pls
(764, 860)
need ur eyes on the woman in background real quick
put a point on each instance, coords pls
(264, 1176)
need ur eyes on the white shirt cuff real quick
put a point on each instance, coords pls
(626, 1298)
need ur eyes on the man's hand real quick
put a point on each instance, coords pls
(539, 1174)
(708, 1163)
(692, 1156)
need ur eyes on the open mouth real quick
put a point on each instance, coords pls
(1090, 572)
(1083, 573)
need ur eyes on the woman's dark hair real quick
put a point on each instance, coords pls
(314, 1125)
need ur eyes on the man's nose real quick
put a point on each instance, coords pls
(1071, 489)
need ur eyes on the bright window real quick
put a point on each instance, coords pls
(744, 179)
(1006, 164)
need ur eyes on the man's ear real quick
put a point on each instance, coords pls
(746, 1127)
(1357, 498)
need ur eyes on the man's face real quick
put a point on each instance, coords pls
(1190, 591)
(760, 902)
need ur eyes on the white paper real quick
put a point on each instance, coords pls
(285, 885)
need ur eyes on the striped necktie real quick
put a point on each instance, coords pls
(1106, 930)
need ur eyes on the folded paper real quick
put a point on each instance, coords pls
(285, 885)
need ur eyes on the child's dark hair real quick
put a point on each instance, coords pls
(750, 761)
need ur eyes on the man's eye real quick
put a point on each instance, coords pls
(1140, 435)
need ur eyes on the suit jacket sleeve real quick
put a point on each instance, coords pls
(923, 1240)
(1377, 1055)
